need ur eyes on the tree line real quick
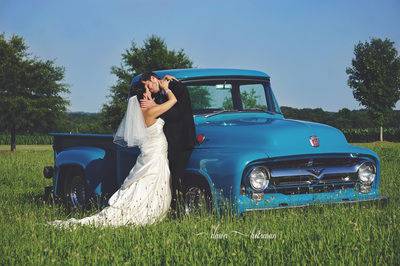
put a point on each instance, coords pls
(83, 122)
(33, 95)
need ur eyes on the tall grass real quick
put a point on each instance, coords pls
(323, 234)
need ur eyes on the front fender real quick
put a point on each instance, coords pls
(89, 159)
(223, 168)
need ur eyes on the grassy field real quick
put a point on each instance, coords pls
(329, 234)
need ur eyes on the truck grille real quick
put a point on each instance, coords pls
(312, 175)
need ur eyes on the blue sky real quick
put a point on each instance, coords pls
(304, 46)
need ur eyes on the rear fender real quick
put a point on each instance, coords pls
(89, 160)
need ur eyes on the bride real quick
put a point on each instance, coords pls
(145, 196)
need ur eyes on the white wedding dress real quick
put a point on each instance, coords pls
(145, 196)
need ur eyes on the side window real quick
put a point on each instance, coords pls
(253, 96)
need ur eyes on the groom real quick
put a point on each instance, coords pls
(179, 126)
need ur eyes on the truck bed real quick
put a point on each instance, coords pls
(66, 140)
(116, 163)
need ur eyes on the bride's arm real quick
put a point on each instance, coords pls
(159, 109)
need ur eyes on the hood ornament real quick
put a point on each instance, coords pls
(314, 141)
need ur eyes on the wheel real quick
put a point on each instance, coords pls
(196, 199)
(75, 192)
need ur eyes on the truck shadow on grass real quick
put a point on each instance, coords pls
(225, 214)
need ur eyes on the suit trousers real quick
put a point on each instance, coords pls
(178, 160)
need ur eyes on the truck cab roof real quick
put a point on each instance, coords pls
(196, 73)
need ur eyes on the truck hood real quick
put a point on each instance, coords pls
(276, 136)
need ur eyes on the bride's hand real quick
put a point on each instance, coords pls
(169, 78)
(147, 101)
(164, 84)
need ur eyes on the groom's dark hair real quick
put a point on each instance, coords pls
(147, 75)
(138, 87)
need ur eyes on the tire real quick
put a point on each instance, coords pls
(195, 199)
(75, 192)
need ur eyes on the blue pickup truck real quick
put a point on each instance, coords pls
(248, 153)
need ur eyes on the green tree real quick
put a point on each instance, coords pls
(30, 90)
(249, 101)
(82, 122)
(374, 78)
(153, 55)
(200, 97)
(227, 104)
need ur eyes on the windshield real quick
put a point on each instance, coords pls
(228, 95)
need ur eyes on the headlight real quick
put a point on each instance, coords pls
(259, 178)
(366, 173)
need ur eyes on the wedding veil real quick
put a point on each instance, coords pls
(132, 129)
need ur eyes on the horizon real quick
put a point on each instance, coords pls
(361, 109)
(305, 47)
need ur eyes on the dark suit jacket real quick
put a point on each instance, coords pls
(179, 128)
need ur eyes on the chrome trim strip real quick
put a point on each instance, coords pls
(307, 171)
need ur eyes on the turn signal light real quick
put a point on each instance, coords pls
(200, 138)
